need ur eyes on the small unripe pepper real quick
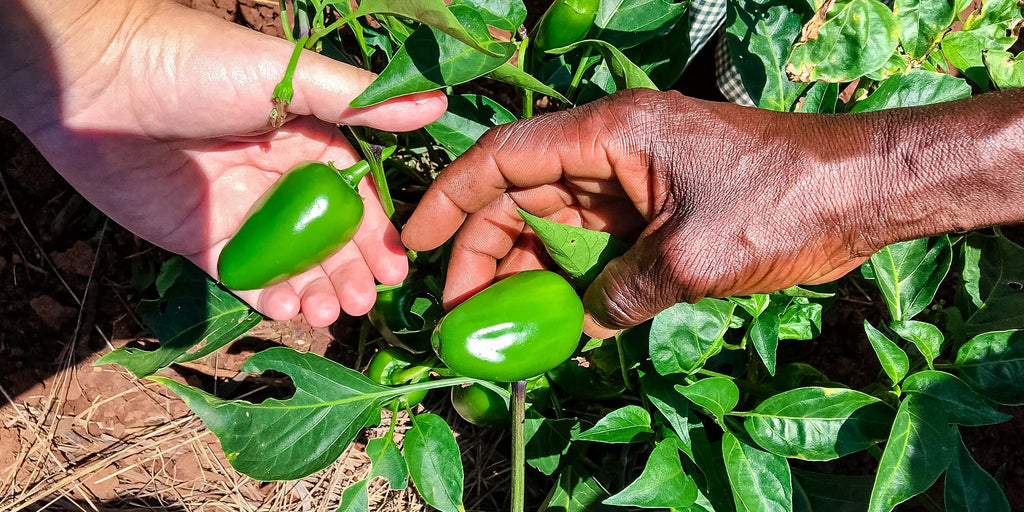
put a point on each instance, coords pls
(396, 367)
(564, 23)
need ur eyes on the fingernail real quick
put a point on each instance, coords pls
(423, 101)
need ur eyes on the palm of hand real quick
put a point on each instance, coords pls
(173, 143)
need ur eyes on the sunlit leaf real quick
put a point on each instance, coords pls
(816, 423)
(663, 483)
(760, 481)
(920, 447)
(435, 463)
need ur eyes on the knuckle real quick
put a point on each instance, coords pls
(622, 305)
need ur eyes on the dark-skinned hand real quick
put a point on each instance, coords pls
(720, 199)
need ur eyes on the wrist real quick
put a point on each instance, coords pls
(951, 167)
(58, 54)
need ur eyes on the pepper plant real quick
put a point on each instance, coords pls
(709, 418)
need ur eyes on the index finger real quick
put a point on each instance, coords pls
(527, 153)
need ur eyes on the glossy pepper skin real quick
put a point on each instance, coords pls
(515, 329)
(306, 216)
(397, 367)
(393, 317)
(564, 23)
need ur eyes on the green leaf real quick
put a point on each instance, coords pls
(625, 425)
(674, 407)
(547, 440)
(856, 38)
(919, 449)
(909, 273)
(899, 64)
(355, 498)
(719, 395)
(512, 75)
(435, 14)
(969, 488)
(1007, 71)
(663, 484)
(993, 288)
(992, 364)
(919, 87)
(925, 336)
(467, 118)
(664, 58)
(576, 491)
(962, 405)
(581, 252)
(193, 318)
(388, 462)
(435, 463)
(627, 75)
(985, 31)
(835, 493)
(821, 98)
(801, 320)
(818, 423)
(822, 291)
(501, 14)
(763, 330)
(628, 23)
(922, 24)
(761, 482)
(302, 434)
(894, 360)
(685, 335)
(429, 60)
(760, 34)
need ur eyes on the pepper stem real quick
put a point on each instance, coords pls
(518, 446)
(354, 173)
(283, 91)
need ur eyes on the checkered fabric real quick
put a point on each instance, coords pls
(728, 77)
(706, 17)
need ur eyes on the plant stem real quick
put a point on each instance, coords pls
(283, 91)
(374, 157)
(622, 363)
(578, 77)
(394, 418)
(710, 373)
(313, 38)
(527, 94)
(284, 21)
(518, 446)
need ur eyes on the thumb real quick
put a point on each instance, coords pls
(637, 285)
(324, 88)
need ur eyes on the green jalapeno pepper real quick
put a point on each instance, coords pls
(517, 328)
(564, 23)
(306, 216)
(397, 367)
